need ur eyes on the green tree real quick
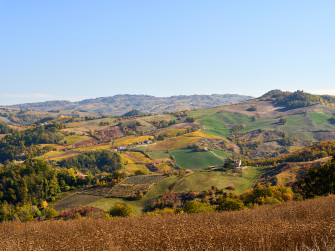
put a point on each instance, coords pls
(192, 207)
(318, 181)
(230, 204)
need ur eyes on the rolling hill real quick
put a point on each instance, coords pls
(189, 146)
(120, 104)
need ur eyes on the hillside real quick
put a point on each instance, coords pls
(120, 104)
(304, 225)
(92, 156)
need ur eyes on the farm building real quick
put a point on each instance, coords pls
(80, 175)
(236, 163)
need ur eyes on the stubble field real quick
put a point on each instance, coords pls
(307, 225)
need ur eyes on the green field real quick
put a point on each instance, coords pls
(189, 159)
(222, 154)
(299, 125)
(201, 181)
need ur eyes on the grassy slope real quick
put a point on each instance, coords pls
(159, 155)
(189, 159)
(75, 138)
(204, 180)
(299, 125)
(222, 154)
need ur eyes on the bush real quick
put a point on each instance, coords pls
(121, 210)
(271, 201)
(49, 213)
(230, 204)
(252, 108)
(139, 172)
(192, 207)
(163, 211)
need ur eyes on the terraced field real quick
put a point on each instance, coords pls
(133, 185)
(128, 140)
(75, 200)
(139, 205)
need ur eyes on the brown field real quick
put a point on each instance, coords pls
(307, 225)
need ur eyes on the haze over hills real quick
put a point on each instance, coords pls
(120, 104)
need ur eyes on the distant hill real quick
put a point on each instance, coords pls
(120, 104)
(297, 99)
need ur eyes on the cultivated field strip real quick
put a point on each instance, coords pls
(128, 188)
(306, 225)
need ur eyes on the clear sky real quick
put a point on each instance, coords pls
(76, 49)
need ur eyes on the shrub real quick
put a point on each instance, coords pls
(271, 201)
(197, 207)
(230, 204)
(121, 210)
(165, 210)
(49, 213)
(252, 108)
(139, 172)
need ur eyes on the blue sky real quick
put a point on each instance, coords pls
(76, 49)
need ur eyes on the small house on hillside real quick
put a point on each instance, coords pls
(121, 148)
(80, 175)
(236, 163)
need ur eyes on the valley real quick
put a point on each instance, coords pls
(137, 158)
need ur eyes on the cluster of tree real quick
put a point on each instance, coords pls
(310, 153)
(121, 210)
(130, 128)
(163, 123)
(77, 213)
(287, 141)
(297, 99)
(235, 129)
(94, 162)
(332, 120)
(252, 108)
(104, 123)
(4, 129)
(87, 118)
(35, 181)
(219, 200)
(4, 114)
(164, 135)
(179, 114)
(28, 212)
(23, 118)
(190, 120)
(23, 144)
(318, 181)
(134, 113)
(26, 189)
(282, 121)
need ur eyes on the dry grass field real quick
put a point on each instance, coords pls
(307, 225)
